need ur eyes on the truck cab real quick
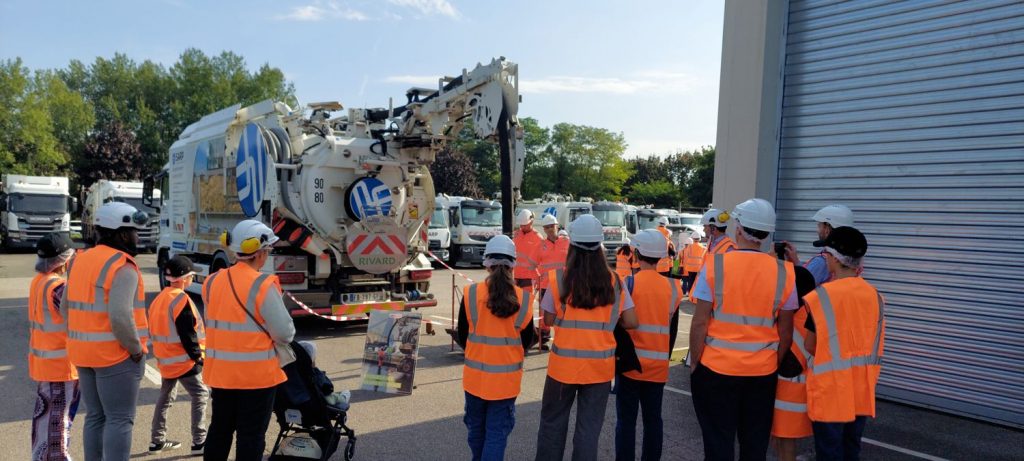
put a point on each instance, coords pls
(439, 234)
(613, 221)
(104, 191)
(473, 223)
(33, 206)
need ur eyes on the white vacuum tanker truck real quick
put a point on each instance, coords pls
(349, 196)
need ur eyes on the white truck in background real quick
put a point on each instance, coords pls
(104, 191)
(613, 222)
(472, 223)
(349, 196)
(33, 206)
(562, 207)
(439, 234)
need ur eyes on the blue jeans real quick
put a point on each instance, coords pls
(838, 441)
(633, 395)
(489, 423)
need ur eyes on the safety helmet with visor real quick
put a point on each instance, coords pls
(116, 215)
(248, 237)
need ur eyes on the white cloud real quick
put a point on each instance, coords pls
(429, 7)
(319, 11)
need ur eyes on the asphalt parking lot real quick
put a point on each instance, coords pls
(428, 424)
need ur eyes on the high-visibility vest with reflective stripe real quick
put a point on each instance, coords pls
(665, 264)
(749, 290)
(583, 351)
(850, 325)
(171, 358)
(655, 299)
(91, 342)
(624, 264)
(47, 344)
(239, 355)
(721, 246)
(693, 256)
(790, 419)
(526, 245)
(493, 368)
(550, 256)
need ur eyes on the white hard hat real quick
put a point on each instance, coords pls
(755, 214)
(500, 245)
(836, 215)
(586, 230)
(663, 221)
(688, 241)
(650, 243)
(523, 217)
(115, 215)
(696, 235)
(548, 219)
(715, 217)
(563, 233)
(248, 237)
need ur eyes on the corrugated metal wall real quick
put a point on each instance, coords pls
(912, 114)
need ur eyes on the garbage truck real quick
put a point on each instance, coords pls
(349, 195)
(104, 191)
(33, 206)
(439, 235)
(472, 223)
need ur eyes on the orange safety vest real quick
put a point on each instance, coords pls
(665, 264)
(493, 366)
(722, 246)
(583, 351)
(624, 264)
(655, 300)
(239, 354)
(91, 342)
(550, 256)
(47, 353)
(171, 358)
(749, 290)
(526, 245)
(790, 419)
(693, 257)
(850, 323)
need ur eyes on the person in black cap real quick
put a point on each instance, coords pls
(178, 344)
(847, 313)
(57, 380)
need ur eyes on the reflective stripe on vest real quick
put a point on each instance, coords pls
(173, 360)
(57, 354)
(586, 325)
(791, 406)
(48, 325)
(746, 320)
(524, 308)
(172, 332)
(494, 368)
(838, 363)
(99, 303)
(582, 354)
(247, 325)
(241, 356)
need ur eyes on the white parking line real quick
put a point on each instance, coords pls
(876, 443)
(152, 375)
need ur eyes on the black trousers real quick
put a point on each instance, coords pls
(242, 411)
(731, 407)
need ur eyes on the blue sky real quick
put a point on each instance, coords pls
(648, 69)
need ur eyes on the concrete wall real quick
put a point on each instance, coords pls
(749, 101)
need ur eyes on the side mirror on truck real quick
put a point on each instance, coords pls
(73, 205)
(147, 191)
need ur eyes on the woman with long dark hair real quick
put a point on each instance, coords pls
(495, 329)
(584, 307)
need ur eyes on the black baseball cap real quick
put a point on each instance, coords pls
(178, 266)
(846, 240)
(52, 245)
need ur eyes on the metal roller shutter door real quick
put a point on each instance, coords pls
(912, 114)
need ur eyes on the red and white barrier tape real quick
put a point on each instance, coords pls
(460, 274)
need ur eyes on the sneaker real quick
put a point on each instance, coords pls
(164, 446)
(197, 449)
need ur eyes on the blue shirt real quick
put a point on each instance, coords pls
(819, 269)
(702, 291)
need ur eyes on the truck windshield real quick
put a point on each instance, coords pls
(438, 220)
(577, 212)
(648, 221)
(691, 221)
(38, 204)
(611, 218)
(137, 203)
(472, 216)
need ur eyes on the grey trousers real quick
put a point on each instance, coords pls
(591, 402)
(168, 393)
(110, 394)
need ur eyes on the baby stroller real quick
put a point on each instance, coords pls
(301, 409)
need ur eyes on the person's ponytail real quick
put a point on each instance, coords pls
(501, 292)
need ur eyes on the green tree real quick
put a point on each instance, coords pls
(454, 174)
(28, 141)
(701, 179)
(660, 194)
(586, 161)
(535, 140)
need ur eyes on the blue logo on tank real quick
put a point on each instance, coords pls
(551, 211)
(369, 197)
(251, 169)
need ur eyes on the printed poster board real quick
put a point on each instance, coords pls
(389, 357)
